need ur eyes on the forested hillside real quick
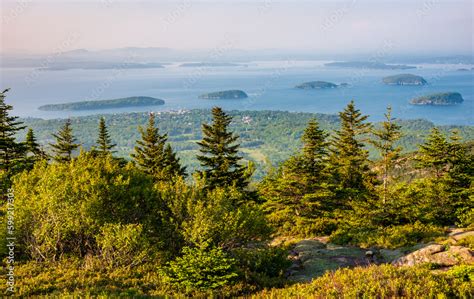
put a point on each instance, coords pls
(266, 137)
(86, 221)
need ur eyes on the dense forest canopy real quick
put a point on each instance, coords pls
(266, 137)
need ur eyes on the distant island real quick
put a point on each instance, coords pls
(439, 99)
(104, 104)
(208, 64)
(100, 66)
(316, 85)
(369, 65)
(404, 79)
(226, 94)
(320, 85)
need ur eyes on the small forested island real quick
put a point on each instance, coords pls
(404, 79)
(369, 65)
(208, 64)
(223, 95)
(439, 99)
(316, 85)
(104, 104)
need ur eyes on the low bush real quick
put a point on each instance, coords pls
(387, 237)
(383, 281)
(262, 267)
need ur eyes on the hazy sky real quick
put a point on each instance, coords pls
(425, 26)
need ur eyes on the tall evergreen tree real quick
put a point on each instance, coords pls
(65, 143)
(11, 151)
(348, 154)
(154, 156)
(219, 153)
(384, 142)
(104, 142)
(298, 193)
(314, 149)
(33, 151)
(434, 154)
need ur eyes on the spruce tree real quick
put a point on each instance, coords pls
(11, 151)
(33, 151)
(104, 142)
(219, 153)
(31, 145)
(153, 156)
(434, 154)
(384, 142)
(65, 143)
(349, 158)
(298, 193)
(314, 149)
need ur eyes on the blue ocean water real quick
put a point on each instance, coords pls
(270, 85)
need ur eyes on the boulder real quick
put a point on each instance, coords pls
(437, 254)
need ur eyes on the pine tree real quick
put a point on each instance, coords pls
(154, 156)
(11, 152)
(219, 153)
(65, 143)
(104, 142)
(349, 158)
(386, 137)
(434, 154)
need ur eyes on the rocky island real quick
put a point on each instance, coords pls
(439, 99)
(369, 65)
(104, 104)
(404, 79)
(223, 95)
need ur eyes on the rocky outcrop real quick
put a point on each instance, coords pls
(441, 255)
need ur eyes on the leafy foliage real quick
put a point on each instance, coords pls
(62, 208)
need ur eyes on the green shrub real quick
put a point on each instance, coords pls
(123, 245)
(467, 241)
(463, 272)
(388, 237)
(61, 208)
(264, 267)
(201, 269)
(216, 220)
